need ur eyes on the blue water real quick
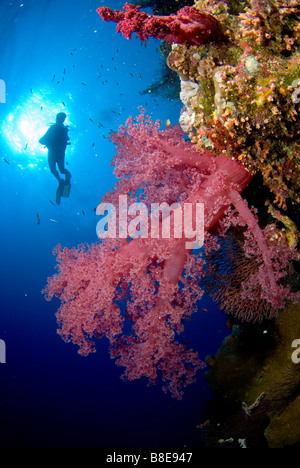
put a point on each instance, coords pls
(58, 55)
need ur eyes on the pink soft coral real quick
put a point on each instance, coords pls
(153, 284)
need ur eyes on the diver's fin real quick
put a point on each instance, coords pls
(59, 192)
(66, 190)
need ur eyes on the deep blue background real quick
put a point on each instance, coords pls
(50, 397)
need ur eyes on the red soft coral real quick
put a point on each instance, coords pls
(189, 26)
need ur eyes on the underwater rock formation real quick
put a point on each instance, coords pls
(257, 377)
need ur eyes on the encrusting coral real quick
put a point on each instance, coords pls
(245, 99)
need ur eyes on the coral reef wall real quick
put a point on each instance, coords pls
(242, 95)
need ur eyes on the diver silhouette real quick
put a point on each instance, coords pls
(56, 140)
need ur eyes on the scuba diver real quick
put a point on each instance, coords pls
(56, 140)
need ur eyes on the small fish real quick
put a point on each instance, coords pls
(100, 124)
(64, 71)
(25, 147)
(31, 91)
(53, 78)
(54, 221)
(5, 160)
(51, 202)
(115, 67)
(91, 120)
(83, 212)
(58, 82)
(141, 76)
(63, 103)
(167, 122)
(42, 108)
(93, 145)
(38, 218)
(131, 74)
(104, 136)
(84, 84)
(205, 310)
